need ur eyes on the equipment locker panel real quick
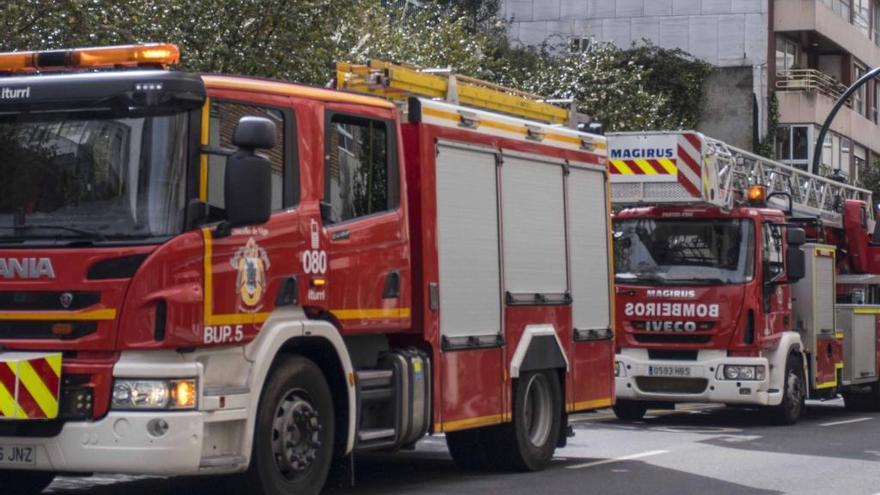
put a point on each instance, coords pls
(533, 214)
(588, 224)
(467, 241)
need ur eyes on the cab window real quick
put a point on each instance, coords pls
(360, 176)
(224, 117)
(773, 254)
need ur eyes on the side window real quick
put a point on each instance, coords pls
(224, 117)
(773, 257)
(360, 174)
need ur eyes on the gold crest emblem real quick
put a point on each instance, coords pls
(251, 264)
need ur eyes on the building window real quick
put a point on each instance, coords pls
(788, 55)
(875, 112)
(860, 161)
(876, 23)
(862, 16)
(836, 153)
(793, 145)
(578, 45)
(859, 97)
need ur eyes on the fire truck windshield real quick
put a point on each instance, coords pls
(683, 251)
(69, 177)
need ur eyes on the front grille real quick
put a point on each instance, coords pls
(672, 354)
(23, 329)
(671, 338)
(23, 301)
(31, 429)
(671, 385)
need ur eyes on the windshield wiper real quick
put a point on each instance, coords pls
(88, 233)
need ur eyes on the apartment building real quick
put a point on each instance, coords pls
(805, 52)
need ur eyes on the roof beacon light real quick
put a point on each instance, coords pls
(147, 55)
(757, 194)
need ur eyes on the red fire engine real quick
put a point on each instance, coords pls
(747, 282)
(209, 274)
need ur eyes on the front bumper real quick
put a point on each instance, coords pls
(700, 385)
(120, 443)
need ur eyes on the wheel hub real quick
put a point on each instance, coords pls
(538, 413)
(295, 434)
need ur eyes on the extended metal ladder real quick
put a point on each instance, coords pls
(398, 82)
(811, 195)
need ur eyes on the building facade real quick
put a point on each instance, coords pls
(802, 53)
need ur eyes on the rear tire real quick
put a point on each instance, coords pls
(24, 482)
(629, 410)
(794, 394)
(528, 442)
(293, 437)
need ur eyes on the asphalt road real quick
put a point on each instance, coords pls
(700, 449)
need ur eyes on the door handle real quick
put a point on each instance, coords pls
(340, 235)
(392, 286)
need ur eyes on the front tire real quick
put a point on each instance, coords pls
(793, 394)
(528, 443)
(293, 438)
(629, 410)
(24, 482)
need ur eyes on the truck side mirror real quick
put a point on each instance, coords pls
(248, 183)
(796, 236)
(795, 263)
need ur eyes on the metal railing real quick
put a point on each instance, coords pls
(809, 80)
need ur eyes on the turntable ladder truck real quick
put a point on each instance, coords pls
(739, 280)
(209, 274)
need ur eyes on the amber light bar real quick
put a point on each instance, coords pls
(153, 54)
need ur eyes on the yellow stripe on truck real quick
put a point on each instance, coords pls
(44, 397)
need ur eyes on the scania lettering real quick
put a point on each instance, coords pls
(218, 275)
(728, 288)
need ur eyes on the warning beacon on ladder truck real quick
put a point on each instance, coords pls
(739, 280)
(207, 274)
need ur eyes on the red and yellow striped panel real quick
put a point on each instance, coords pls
(30, 386)
(661, 166)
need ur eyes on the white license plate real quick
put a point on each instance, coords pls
(669, 371)
(17, 455)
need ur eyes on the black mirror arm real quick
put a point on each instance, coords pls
(216, 150)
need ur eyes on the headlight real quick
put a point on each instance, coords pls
(154, 394)
(618, 369)
(741, 372)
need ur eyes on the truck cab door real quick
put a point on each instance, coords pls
(776, 295)
(368, 274)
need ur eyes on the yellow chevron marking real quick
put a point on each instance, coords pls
(45, 398)
(622, 167)
(55, 363)
(669, 166)
(7, 403)
(646, 167)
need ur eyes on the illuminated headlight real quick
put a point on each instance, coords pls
(740, 372)
(154, 394)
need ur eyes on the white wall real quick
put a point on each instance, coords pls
(726, 33)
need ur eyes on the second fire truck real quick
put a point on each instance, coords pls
(740, 280)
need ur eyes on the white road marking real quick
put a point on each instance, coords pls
(846, 422)
(618, 459)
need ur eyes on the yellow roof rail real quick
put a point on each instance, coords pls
(398, 82)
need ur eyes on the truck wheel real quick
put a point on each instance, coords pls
(24, 482)
(793, 394)
(293, 437)
(528, 442)
(629, 410)
(468, 449)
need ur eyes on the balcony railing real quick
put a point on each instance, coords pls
(809, 80)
